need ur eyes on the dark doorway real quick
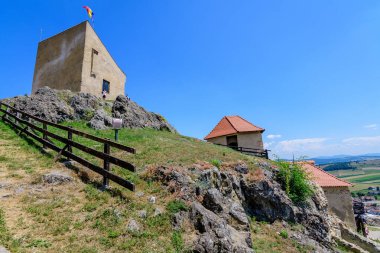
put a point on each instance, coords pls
(232, 141)
(106, 86)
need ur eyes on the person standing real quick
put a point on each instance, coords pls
(104, 95)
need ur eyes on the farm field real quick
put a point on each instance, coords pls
(365, 175)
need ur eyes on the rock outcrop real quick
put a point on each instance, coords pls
(135, 116)
(58, 106)
(222, 202)
(44, 104)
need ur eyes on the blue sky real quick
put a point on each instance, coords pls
(306, 71)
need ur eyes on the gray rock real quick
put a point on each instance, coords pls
(142, 214)
(84, 105)
(215, 233)
(238, 213)
(58, 106)
(213, 200)
(100, 120)
(230, 198)
(133, 226)
(267, 201)
(152, 199)
(3, 250)
(44, 104)
(135, 116)
(56, 178)
(139, 194)
(178, 219)
(158, 211)
(4, 185)
(242, 168)
(19, 190)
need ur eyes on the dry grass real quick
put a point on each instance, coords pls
(77, 217)
(74, 217)
(274, 238)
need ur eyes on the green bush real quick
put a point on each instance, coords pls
(295, 181)
(284, 234)
(176, 205)
(216, 163)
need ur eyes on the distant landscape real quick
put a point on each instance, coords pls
(363, 173)
(345, 158)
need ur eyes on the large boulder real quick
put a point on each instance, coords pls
(63, 105)
(85, 105)
(44, 104)
(223, 201)
(100, 120)
(135, 116)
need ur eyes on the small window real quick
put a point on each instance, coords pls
(106, 86)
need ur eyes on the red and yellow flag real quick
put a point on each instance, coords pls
(89, 12)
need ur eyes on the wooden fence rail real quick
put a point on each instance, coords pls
(250, 151)
(22, 122)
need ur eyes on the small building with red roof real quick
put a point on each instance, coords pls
(336, 190)
(234, 131)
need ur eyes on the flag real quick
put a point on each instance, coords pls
(89, 12)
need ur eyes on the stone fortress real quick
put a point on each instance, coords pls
(77, 60)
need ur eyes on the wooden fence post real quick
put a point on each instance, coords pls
(106, 164)
(70, 137)
(44, 136)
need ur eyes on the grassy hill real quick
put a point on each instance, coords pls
(78, 217)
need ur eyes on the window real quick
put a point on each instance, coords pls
(93, 52)
(106, 86)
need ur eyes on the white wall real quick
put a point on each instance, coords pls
(250, 140)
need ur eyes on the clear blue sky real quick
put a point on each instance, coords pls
(307, 71)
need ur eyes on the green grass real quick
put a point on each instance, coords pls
(80, 218)
(175, 206)
(275, 239)
(160, 147)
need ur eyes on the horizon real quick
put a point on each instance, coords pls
(306, 72)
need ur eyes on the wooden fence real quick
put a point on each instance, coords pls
(250, 151)
(25, 123)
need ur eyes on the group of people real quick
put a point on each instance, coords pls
(104, 95)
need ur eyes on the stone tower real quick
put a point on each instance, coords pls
(77, 60)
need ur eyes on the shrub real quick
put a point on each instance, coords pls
(216, 163)
(284, 234)
(176, 205)
(295, 181)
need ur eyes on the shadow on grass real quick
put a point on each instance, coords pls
(30, 141)
(81, 173)
(85, 178)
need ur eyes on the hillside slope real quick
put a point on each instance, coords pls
(190, 195)
(74, 216)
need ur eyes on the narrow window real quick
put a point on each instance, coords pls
(106, 86)
(94, 52)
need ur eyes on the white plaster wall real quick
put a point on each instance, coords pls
(340, 203)
(250, 140)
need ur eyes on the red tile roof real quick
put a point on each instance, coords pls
(232, 125)
(323, 178)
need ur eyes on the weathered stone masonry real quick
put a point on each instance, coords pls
(77, 60)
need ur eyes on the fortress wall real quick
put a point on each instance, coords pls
(97, 67)
(59, 60)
